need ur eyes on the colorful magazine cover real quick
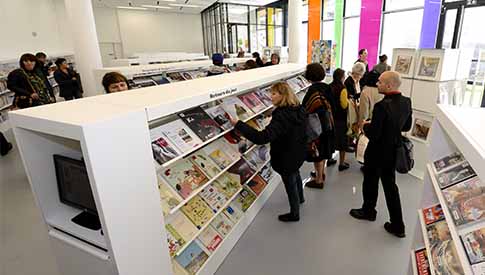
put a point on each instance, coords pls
(210, 238)
(184, 176)
(198, 74)
(186, 75)
(198, 211)
(163, 151)
(421, 129)
(448, 161)
(422, 263)
(429, 66)
(230, 184)
(242, 169)
(222, 224)
(214, 196)
(175, 77)
(455, 175)
(244, 199)
(236, 108)
(200, 122)
(218, 151)
(237, 142)
(180, 135)
(264, 95)
(192, 258)
(252, 101)
(433, 214)
(179, 231)
(267, 173)
(466, 201)
(403, 64)
(257, 184)
(205, 163)
(258, 156)
(217, 113)
(168, 198)
(233, 212)
(474, 243)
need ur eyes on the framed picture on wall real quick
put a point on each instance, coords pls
(421, 128)
(404, 60)
(428, 66)
(322, 53)
(403, 64)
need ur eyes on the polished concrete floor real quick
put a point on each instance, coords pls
(326, 240)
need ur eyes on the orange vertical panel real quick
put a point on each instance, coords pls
(314, 16)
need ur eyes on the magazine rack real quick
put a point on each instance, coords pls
(112, 134)
(454, 130)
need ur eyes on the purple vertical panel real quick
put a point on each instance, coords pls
(429, 27)
(370, 27)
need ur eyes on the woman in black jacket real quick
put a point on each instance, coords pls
(286, 135)
(30, 90)
(68, 80)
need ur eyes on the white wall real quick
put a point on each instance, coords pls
(107, 25)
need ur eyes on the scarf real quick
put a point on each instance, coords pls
(38, 86)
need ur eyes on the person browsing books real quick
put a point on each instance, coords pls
(286, 135)
(114, 82)
(391, 116)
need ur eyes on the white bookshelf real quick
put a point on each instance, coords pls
(112, 134)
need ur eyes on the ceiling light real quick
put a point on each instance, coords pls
(131, 8)
(155, 7)
(185, 5)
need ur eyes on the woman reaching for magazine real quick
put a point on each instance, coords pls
(286, 135)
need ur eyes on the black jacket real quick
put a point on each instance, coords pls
(67, 86)
(43, 72)
(324, 90)
(390, 114)
(350, 86)
(286, 135)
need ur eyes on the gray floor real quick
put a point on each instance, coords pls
(325, 241)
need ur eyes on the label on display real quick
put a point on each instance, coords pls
(226, 92)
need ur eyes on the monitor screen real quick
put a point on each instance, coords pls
(73, 183)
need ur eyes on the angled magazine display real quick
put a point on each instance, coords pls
(466, 201)
(192, 258)
(180, 135)
(205, 163)
(198, 211)
(199, 122)
(184, 176)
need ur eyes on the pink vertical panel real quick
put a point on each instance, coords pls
(370, 27)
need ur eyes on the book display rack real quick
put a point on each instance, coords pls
(452, 218)
(174, 185)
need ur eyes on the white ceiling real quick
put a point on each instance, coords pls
(202, 4)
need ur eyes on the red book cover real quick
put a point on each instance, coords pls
(422, 263)
(433, 214)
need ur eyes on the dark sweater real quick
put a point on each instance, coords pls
(67, 86)
(286, 135)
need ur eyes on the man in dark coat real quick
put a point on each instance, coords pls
(390, 117)
(42, 70)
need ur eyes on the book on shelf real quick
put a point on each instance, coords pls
(466, 201)
(237, 142)
(474, 243)
(192, 258)
(236, 108)
(241, 169)
(422, 263)
(218, 114)
(205, 163)
(163, 151)
(222, 224)
(304, 82)
(214, 196)
(448, 161)
(160, 79)
(175, 77)
(187, 75)
(200, 123)
(267, 173)
(257, 184)
(168, 198)
(252, 102)
(184, 176)
(198, 74)
(457, 174)
(180, 135)
(244, 199)
(220, 153)
(179, 231)
(177, 269)
(433, 214)
(264, 96)
(210, 238)
(293, 84)
(229, 183)
(258, 156)
(443, 250)
(198, 211)
(233, 212)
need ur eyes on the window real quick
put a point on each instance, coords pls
(400, 4)
(352, 7)
(450, 22)
(304, 38)
(304, 11)
(350, 42)
(401, 30)
(328, 30)
(238, 14)
(279, 17)
(328, 9)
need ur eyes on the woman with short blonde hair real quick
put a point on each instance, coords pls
(286, 135)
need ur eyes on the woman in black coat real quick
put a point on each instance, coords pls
(30, 89)
(286, 135)
(68, 80)
(319, 99)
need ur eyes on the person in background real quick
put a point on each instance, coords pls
(391, 116)
(339, 93)
(382, 66)
(217, 65)
(369, 97)
(275, 60)
(318, 100)
(68, 80)
(352, 81)
(258, 59)
(352, 84)
(42, 70)
(114, 82)
(363, 59)
(5, 146)
(29, 88)
(250, 64)
(286, 135)
(241, 53)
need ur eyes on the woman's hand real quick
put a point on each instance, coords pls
(233, 120)
(34, 96)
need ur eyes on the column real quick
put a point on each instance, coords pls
(314, 21)
(294, 28)
(429, 27)
(86, 46)
(370, 27)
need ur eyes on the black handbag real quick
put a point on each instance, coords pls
(404, 150)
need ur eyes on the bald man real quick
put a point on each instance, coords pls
(390, 117)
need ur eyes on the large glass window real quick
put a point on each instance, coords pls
(352, 7)
(450, 22)
(328, 30)
(328, 9)
(351, 42)
(401, 30)
(238, 14)
(304, 39)
(400, 4)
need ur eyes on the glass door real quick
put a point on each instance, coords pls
(238, 37)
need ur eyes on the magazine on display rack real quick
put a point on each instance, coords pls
(221, 153)
(433, 214)
(448, 161)
(184, 176)
(180, 135)
(222, 224)
(474, 243)
(205, 163)
(199, 122)
(198, 211)
(213, 195)
(466, 201)
(210, 238)
(192, 258)
(217, 113)
(252, 101)
(455, 175)
(422, 263)
(236, 108)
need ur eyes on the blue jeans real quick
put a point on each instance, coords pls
(294, 190)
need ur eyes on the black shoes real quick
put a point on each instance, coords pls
(391, 229)
(314, 184)
(288, 218)
(9, 147)
(343, 166)
(331, 162)
(361, 214)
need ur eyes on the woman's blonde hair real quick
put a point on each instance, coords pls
(289, 98)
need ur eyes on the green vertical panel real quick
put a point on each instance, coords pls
(339, 13)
